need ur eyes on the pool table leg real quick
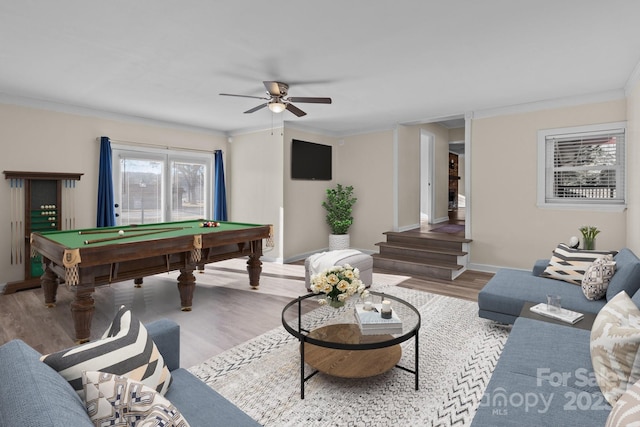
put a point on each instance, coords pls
(82, 309)
(49, 284)
(254, 267)
(186, 287)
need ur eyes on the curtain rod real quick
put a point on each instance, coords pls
(166, 147)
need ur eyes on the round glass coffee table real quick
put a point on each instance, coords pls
(332, 340)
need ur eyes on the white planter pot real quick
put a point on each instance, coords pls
(338, 241)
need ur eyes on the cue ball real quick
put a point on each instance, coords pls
(121, 233)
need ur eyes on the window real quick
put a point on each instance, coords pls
(582, 167)
(156, 185)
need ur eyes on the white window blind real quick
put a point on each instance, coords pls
(585, 168)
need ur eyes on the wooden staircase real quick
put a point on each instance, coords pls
(422, 254)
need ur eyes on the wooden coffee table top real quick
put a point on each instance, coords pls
(350, 363)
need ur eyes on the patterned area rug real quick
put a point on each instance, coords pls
(458, 352)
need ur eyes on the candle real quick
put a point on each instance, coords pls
(386, 309)
(368, 305)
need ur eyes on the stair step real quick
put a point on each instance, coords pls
(409, 247)
(427, 240)
(416, 267)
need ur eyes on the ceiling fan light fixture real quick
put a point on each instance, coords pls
(277, 106)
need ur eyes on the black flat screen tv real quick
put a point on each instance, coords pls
(310, 161)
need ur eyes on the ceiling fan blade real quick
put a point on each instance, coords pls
(243, 96)
(273, 88)
(295, 110)
(254, 109)
(310, 100)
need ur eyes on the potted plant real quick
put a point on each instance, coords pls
(339, 206)
(589, 234)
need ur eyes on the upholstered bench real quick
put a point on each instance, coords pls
(316, 263)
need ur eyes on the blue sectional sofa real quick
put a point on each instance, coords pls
(33, 394)
(545, 376)
(503, 297)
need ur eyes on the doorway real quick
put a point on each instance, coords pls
(427, 154)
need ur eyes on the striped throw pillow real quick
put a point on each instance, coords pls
(125, 349)
(570, 264)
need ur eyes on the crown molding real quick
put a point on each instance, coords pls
(43, 104)
(550, 104)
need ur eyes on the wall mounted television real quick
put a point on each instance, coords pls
(310, 161)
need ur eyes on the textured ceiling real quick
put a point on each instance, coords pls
(381, 62)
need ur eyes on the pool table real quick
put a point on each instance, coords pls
(87, 258)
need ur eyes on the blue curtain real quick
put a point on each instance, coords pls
(220, 192)
(106, 206)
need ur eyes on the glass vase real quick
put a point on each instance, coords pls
(589, 244)
(335, 302)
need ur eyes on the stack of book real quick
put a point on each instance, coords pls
(372, 323)
(561, 314)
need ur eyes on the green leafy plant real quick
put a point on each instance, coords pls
(589, 234)
(339, 206)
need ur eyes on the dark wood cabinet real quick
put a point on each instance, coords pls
(36, 205)
(454, 179)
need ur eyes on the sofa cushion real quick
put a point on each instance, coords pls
(615, 346)
(627, 277)
(190, 395)
(537, 382)
(570, 264)
(597, 277)
(503, 297)
(625, 412)
(33, 394)
(117, 400)
(125, 349)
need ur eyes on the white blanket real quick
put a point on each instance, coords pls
(324, 260)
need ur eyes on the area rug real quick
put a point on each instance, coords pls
(449, 228)
(458, 352)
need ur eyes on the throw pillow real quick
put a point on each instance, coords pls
(116, 400)
(570, 264)
(615, 346)
(596, 279)
(125, 349)
(625, 412)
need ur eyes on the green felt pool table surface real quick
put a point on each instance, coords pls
(73, 239)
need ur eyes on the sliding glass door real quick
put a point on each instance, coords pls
(154, 185)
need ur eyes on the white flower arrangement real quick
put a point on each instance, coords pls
(338, 283)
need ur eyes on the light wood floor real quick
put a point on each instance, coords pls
(226, 311)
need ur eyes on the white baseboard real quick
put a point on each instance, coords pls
(486, 268)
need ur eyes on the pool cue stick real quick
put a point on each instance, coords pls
(13, 239)
(14, 203)
(124, 236)
(127, 231)
(21, 208)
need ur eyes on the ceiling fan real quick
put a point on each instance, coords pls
(278, 101)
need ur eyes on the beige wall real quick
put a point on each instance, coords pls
(46, 141)
(255, 183)
(633, 172)
(365, 161)
(408, 170)
(508, 229)
(305, 227)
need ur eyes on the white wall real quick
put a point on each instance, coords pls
(47, 141)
